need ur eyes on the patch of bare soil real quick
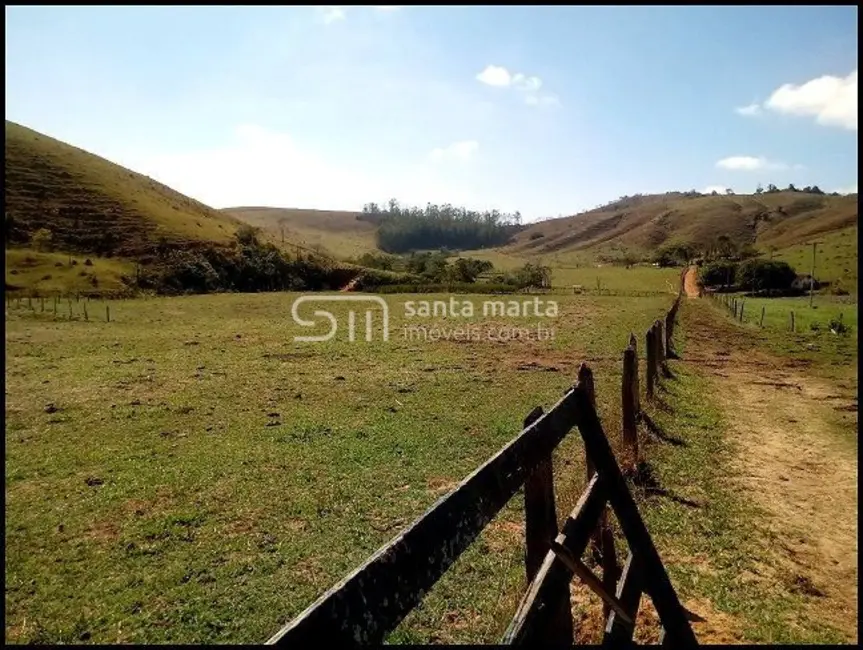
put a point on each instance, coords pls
(793, 465)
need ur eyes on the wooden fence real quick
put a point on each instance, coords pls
(736, 306)
(369, 603)
(74, 306)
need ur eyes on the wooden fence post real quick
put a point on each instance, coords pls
(540, 525)
(540, 528)
(633, 343)
(742, 303)
(650, 366)
(603, 536)
(107, 313)
(761, 322)
(86, 316)
(792, 321)
(629, 389)
(660, 349)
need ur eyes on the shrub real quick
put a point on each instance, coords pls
(41, 239)
(536, 235)
(765, 275)
(718, 273)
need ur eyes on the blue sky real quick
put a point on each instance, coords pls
(546, 110)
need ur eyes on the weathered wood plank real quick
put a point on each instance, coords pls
(629, 589)
(533, 621)
(540, 515)
(658, 585)
(369, 603)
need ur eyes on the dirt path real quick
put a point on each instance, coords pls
(793, 462)
(690, 282)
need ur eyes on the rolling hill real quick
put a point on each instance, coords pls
(641, 224)
(91, 205)
(340, 234)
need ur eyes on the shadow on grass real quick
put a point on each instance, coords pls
(645, 478)
(655, 430)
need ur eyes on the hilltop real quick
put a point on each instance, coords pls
(91, 205)
(641, 224)
(77, 222)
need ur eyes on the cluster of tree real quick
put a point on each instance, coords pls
(528, 276)
(772, 189)
(248, 266)
(402, 229)
(674, 254)
(757, 275)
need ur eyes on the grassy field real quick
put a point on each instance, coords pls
(49, 274)
(339, 234)
(812, 342)
(188, 473)
(836, 259)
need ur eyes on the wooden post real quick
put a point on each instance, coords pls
(107, 313)
(86, 316)
(792, 321)
(70, 310)
(669, 330)
(660, 348)
(29, 303)
(585, 378)
(629, 389)
(650, 366)
(658, 585)
(761, 322)
(540, 525)
(633, 343)
(742, 303)
(42, 304)
(603, 537)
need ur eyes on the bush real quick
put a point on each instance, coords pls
(536, 235)
(765, 275)
(718, 273)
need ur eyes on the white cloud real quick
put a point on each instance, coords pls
(749, 163)
(463, 150)
(710, 189)
(752, 109)
(495, 75)
(331, 14)
(831, 100)
(529, 85)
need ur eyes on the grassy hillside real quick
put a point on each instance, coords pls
(639, 225)
(340, 234)
(91, 205)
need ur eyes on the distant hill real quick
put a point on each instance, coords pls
(642, 224)
(91, 205)
(340, 234)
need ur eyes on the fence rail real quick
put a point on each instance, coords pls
(369, 603)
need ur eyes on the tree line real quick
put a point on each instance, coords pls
(409, 228)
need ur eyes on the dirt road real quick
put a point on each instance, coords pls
(794, 462)
(690, 282)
